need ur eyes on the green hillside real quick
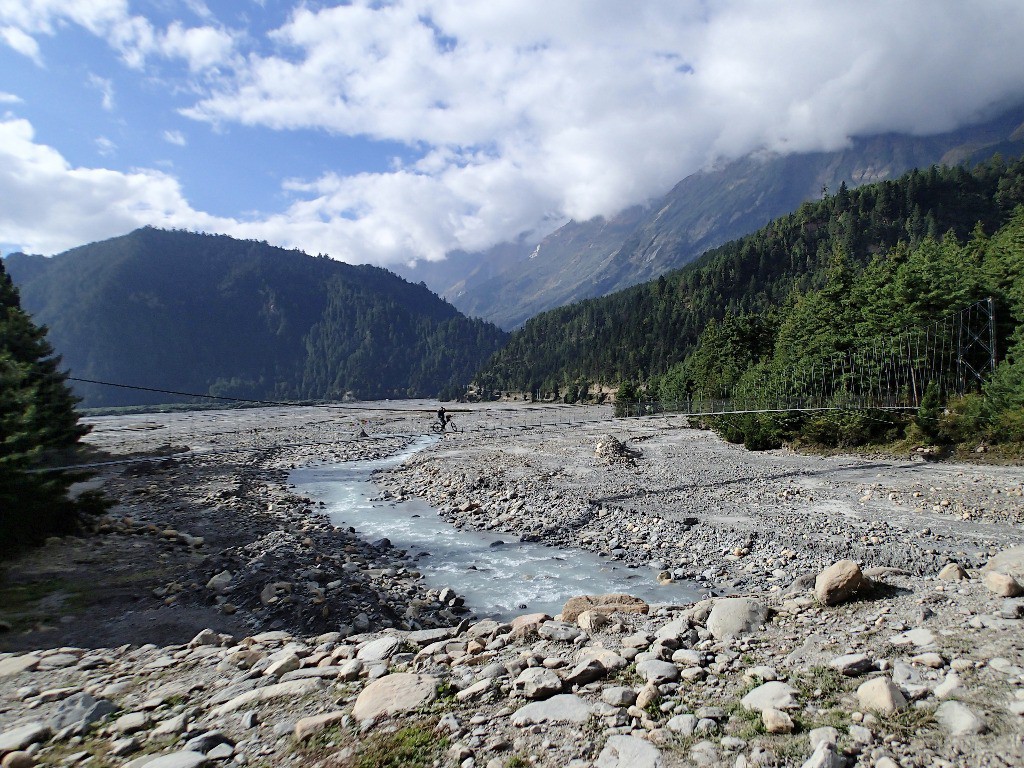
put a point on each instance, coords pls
(944, 237)
(210, 314)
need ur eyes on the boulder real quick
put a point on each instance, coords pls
(538, 683)
(80, 710)
(771, 695)
(1009, 561)
(606, 604)
(840, 582)
(394, 694)
(23, 736)
(1003, 584)
(563, 708)
(953, 572)
(608, 659)
(293, 688)
(881, 695)
(562, 631)
(629, 752)
(736, 617)
(657, 671)
(378, 650)
(957, 719)
(310, 726)
(15, 665)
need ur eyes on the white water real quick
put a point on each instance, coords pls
(498, 576)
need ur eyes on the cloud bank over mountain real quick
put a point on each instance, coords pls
(510, 117)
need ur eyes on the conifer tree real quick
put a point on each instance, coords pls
(38, 422)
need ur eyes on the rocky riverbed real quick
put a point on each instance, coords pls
(858, 613)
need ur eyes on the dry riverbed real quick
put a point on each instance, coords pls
(215, 617)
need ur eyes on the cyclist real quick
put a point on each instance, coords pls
(442, 417)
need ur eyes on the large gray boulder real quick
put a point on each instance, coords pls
(563, 708)
(629, 752)
(394, 694)
(736, 617)
(771, 695)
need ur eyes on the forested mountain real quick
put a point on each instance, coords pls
(642, 331)
(513, 282)
(213, 315)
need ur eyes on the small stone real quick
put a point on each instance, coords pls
(561, 631)
(825, 756)
(15, 665)
(180, 759)
(852, 664)
(948, 686)
(591, 621)
(647, 696)
(610, 660)
(124, 746)
(776, 721)
(953, 572)
(131, 722)
(824, 735)
(932, 660)
(920, 637)
(684, 725)
(606, 604)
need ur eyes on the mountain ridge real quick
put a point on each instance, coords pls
(700, 212)
(214, 315)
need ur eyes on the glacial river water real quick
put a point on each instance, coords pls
(499, 576)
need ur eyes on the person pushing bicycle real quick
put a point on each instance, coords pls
(442, 417)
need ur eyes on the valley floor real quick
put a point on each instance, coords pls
(326, 649)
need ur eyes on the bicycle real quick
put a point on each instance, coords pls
(440, 428)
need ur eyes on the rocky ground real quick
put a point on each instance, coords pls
(214, 617)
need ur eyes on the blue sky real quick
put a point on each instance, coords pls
(394, 131)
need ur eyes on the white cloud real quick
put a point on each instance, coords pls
(9, 98)
(50, 205)
(201, 47)
(105, 146)
(106, 88)
(518, 113)
(21, 42)
(133, 36)
(523, 109)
